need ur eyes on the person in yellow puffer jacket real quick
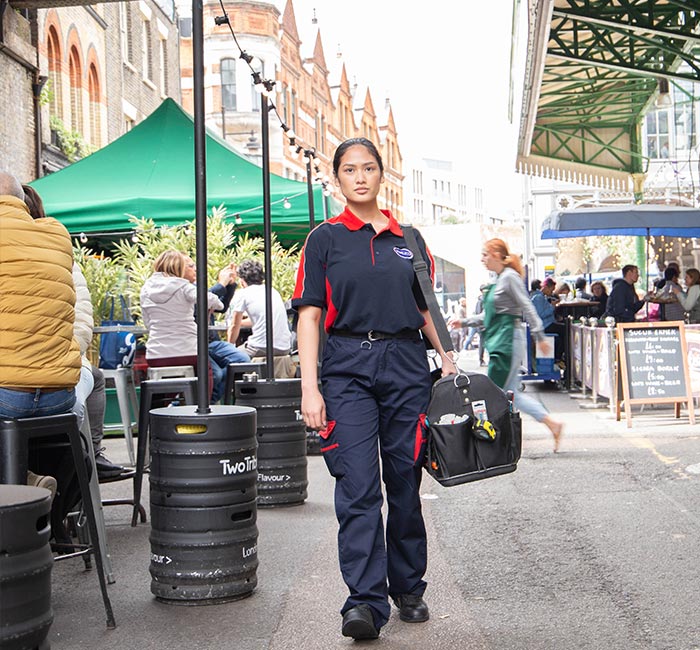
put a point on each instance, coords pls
(39, 357)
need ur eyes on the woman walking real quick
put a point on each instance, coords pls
(376, 388)
(505, 303)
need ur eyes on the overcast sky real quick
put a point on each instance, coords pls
(444, 65)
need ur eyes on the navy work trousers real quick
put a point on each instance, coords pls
(376, 395)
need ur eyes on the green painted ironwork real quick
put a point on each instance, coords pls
(603, 62)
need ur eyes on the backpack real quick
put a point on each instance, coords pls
(473, 430)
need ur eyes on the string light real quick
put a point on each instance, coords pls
(83, 238)
(286, 205)
(237, 219)
(267, 87)
(134, 237)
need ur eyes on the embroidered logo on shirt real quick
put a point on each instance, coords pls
(405, 253)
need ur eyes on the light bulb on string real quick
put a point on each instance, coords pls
(134, 237)
(286, 205)
(237, 218)
(83, 238)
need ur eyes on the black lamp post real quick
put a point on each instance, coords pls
(309, 154)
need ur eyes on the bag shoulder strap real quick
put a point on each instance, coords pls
(426, 286)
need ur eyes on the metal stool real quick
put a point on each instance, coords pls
(127, 399)
(170, 371)
(185, 385)
(236, 371)
(14, 452)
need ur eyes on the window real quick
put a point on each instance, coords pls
(76, 104)
(283, 105)
(163, 62)
(127, 45)
(147, 51)
(95, 117)
(228, 84)
(53, 53)
(128, 124)
(257, 99)
(658, 135)
(293, 110)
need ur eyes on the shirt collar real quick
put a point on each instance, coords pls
(353, 222)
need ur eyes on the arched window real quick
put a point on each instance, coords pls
(228, 84)
(94, 94)
(76, 105)
(53, 53)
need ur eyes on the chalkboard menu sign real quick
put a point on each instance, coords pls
(654, 365)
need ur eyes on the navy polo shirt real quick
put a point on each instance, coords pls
(363, 278)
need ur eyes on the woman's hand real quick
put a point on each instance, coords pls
(448, 365)
(313, 409)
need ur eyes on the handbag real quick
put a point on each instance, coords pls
(473, 429)
(117, 348)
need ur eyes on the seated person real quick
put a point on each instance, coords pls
(580, 286)
(41, 362)
(545, 310)
(221, 353)
(671, 309)
(168, 302)
(600, 297)
(250, 300)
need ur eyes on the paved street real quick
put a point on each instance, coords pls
(592, 548)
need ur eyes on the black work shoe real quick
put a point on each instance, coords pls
(106, 468)
(358, 623)
(412, 609)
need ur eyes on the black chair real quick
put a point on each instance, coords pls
(235, 371)
(14, 455)
(185, 385)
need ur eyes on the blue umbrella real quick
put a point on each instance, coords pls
(641, 220)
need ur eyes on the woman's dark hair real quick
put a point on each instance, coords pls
(34, 202)
(344, 146)
(580, 283)
(535, 285)
(251, 271)
(671, 274)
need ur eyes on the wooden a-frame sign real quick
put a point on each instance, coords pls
(653, 367)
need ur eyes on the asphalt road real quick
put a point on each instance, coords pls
(596, 547)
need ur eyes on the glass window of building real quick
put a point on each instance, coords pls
(228, 84)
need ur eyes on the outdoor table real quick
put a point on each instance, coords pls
(574, 308)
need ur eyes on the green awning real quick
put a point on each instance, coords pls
(149, 172)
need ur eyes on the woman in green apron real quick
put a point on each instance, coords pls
(505, 303)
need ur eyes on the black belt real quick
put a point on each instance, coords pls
(374, 335)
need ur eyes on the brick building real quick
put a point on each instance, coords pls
(81, 75)
(313, 99)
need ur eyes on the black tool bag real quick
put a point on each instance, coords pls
(474, 432)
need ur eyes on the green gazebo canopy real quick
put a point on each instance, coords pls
(149, 172)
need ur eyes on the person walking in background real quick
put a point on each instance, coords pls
(690, 298)
(376, 388)
(39, 356)
(473, 331)
(600, 297)
(505, 303)
(623, 302)
(168, 302)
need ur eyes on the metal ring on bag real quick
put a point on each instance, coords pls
(457, 376)
(369, 345)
